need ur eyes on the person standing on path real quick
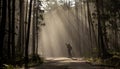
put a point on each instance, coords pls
(69, 48)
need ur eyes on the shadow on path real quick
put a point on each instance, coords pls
(67, 63)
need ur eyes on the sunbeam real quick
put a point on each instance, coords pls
(62, 27)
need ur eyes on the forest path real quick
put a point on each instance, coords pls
(66, 63)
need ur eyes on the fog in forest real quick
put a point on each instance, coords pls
(63, 25)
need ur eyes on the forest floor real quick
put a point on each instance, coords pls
(67, 63)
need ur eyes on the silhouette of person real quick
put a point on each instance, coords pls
(69, 48)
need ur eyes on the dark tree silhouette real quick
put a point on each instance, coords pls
(9, 33)
(2, 28)
(28, 34)
(101, 26)
(13, 32)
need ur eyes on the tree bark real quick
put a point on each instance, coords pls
(2, 28)
(33, 28)
(102, 51)
(9, 33)
(28, 34)
(13, 32)
(21, 33)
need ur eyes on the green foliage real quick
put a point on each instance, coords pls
(35, 60)
(95, 61)
(8, 66)
(20, 61)
(113, 61)
(109, 15)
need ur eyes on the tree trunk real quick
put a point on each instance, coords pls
(2, 28)
(102, 51)
(116, 35)
(13, 32)
(21, 33)
(26, 23)
(28, 34)
(33, 28)
(90, 32)
(37, 29)
(9, 33)
(104, 25)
